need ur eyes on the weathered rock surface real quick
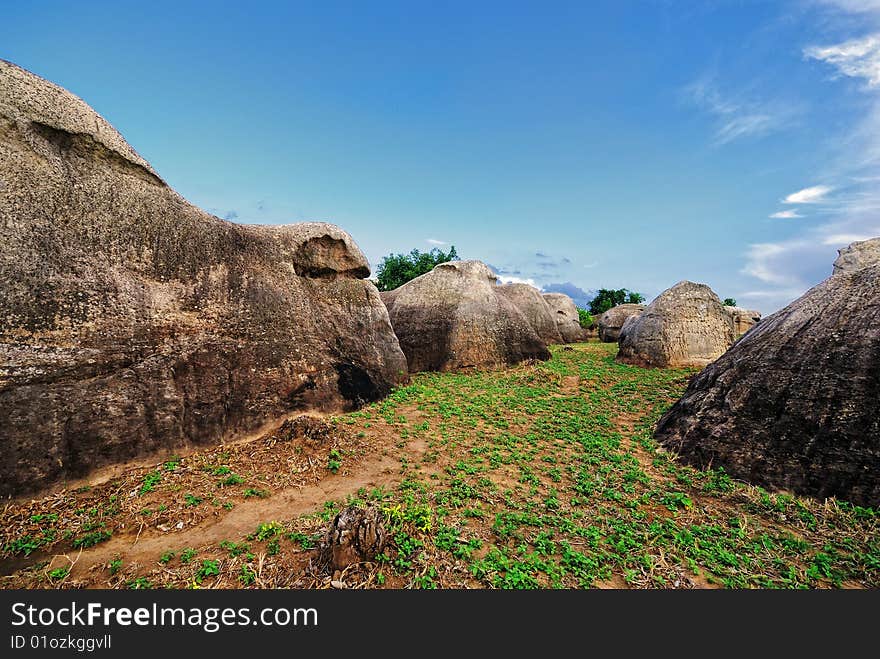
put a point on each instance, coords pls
(612, 320)
(567, 320)
(534, 307)
(454, 318)
(795, 403)
(356, 535)
(857, 255)
(132, 321)
(743, 319)
(685, 325)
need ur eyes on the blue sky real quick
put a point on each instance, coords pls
(600, 144)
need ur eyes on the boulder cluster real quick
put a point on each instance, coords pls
(133, 322)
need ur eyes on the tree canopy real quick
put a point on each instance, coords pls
(729, 302)
(607, 298)
(397, 269)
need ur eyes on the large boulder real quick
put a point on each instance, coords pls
(857, 255)
(611, 321)
(132, 321)
(567, 320)
(743, 319)
(685, 325)
(454, 318)
(795, 403)
(534, 307)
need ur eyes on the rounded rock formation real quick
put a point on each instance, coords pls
(743, 319)
(132, 321)
(857, 255)
(685, 325)
(611, 321)
(567, 319)
(795, 403)
(454, 318)
(534, 307)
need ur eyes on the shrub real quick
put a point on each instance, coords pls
(397, 269)
(585, 318)
(729, 302)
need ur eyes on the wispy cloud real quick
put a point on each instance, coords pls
(856, 58)
(853, 6)
(435, 242)
(811, 195)
(786, 215)
(844, 239)
(740, 117)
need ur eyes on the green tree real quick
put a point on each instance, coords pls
(729, 302)
(585, 318)
(607, 298)
(397, 269)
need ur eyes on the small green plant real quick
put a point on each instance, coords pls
(172, 463)
(334, 460)
(305, 541)
(235, 548)
(247, 576)
(253, 492)
(729, 302)
(187, 555)
(151, 480)
(92, 539)
(45, 517)
(115, 565)
(167, 557)
(191, 500)
(140, 583)
(232, 479)
(266, 531)
(208, 568)
(59, 573)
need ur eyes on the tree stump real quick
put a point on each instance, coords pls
(356, 535)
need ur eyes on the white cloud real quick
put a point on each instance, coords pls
(856, 58)
(761, 263)
(845, 238)
(435, 242)
(854, 6)
(740, 118)
(811, 195)
(786, 215)
(508, 279)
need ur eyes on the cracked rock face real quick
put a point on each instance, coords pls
(132, 321)
(795, 403)
(567, 320)
(612, 320)
(454, 318)
(686, 325)
(534, 307)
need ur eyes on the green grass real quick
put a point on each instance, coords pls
(544, 475)
(529, 484)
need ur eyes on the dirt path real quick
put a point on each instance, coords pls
(145, 547)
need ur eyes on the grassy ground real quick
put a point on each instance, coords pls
(540, 476)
